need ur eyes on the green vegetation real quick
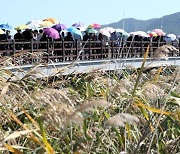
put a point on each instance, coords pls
(134, 111)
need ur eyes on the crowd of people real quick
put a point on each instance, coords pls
(39, 36)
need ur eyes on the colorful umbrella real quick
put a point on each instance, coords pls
(51, 32)
(152, 34)
(46, 24)
(59, 27)
(52, 20)
(104, 32)
(159, 32)
(91, 30)
(77, 35)
(21, 27)
(95, 26)
(2, 32)
(6, 26)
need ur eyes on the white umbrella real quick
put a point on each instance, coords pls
(110, 29)
(139, 33)
(82, 29)
(172, 36)
(34, 24)
(122, 31)
(104, 32)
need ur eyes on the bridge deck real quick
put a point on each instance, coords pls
(91, 65)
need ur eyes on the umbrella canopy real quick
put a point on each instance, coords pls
(2, 32)
(51, 32)
(64, 31)
(95, 26)
(77, 35)
(139, 33)
(6, 26)
(78, 25)
(46, 24)
(152, 34)
(172, 36)
(52, 20)
(91, 30)
(159, 32)
(34, 24)
(59, 27)
(104, 32)
(110, 29)
(119, 30)
(82, 29)
(21, 27)
(123, 32)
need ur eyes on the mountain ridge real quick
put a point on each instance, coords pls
(169, 23)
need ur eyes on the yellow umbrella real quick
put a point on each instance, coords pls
(21, 27)
(46, 24)
(52, 20)
(1, 31)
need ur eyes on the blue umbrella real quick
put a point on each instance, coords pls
(6, 26)
(77, 35)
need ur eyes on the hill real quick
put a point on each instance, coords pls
(170, 24)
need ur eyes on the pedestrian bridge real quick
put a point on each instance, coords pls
(86, 66)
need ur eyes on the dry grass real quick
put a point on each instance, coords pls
(91, 113)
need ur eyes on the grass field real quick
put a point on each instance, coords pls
(134, 111)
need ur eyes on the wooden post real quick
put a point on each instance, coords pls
(112, 52)
(101, 49)
(131, 51)
(76, 49)
(48, 51)
(120, 48)
(141, 48)
(32, 50)
(14, 51)
(31, 45)
(63, 53)
(150, 47)
(179, 46)
(89, 49)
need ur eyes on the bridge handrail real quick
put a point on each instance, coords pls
(69, 50)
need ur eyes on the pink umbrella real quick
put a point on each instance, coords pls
(95, 26)
(51, 32)
(159, 32)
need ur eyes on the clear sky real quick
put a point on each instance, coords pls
(16, 12)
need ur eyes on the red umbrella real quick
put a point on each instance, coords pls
(51, 32)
